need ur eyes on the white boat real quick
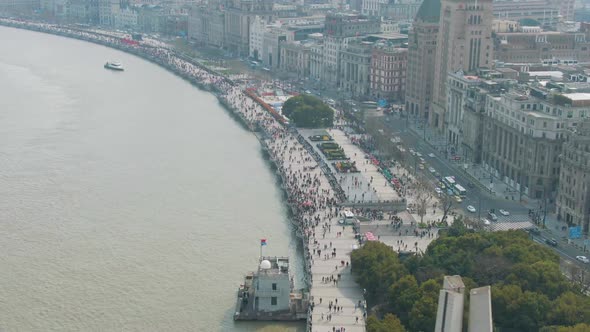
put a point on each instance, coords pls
(114, 66)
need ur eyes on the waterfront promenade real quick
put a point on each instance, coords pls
(310, 196)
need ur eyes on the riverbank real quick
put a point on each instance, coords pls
(312, 199)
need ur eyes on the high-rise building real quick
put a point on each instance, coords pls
(573, 199)
(421, 58)
(464, 43)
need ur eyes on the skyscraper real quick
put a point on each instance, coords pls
(421, 58)
(464, 43)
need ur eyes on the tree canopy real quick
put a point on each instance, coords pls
(529, 292)
(307, 111)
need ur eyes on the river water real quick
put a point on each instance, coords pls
(128, 201)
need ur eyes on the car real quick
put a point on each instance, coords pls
(419, 154)
(421, 166)
(308, 92)
(458, 199)
(504, 212)
(471, 209)
(551, 242)
(583, 259)
(534, 230)
(438, 190)
(431, 155)
(492, 216)
(442, 185)
(422, 161)
(431, 170)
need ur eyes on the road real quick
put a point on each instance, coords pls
(482, 201)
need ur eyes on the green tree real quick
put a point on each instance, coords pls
(390, 323)
(513, 308)
(402, 296)
(576, 328)
(423, 314)
(569, 309)
(308, 111)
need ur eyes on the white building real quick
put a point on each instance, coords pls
(449, 316)
(372, 7)
(257, 29)
(125, 18)
(273, 285)
(106, 10)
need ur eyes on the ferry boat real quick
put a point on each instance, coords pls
(114, 66)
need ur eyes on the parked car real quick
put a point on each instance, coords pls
(583, 259)
(431, 155)
(492, 216)
(458, 199)
(504, 212)
(534, 230)
(418, 154)
(551, 242)
(431, 170)
(438, 190)
(471, 209)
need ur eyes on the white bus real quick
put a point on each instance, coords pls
(460, 191)
(449, 181)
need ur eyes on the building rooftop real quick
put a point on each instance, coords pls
(429, 11)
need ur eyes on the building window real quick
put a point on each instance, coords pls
(274, 286)
(273, 300)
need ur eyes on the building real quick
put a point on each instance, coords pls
(316, 61)
(340, 25)
(480, 310)
(295, 58)
(151, 18)
(458, 87)
(388, 72)
(524, 131)
(271, 46)
(239, 15)
(421, 59)
(268, 294)
(449, 315)
(573, 200)
(464, 43)
(206, 26)
(19, 6)
(373, 7)
(355, 69)
(126, 18)
(106, 11)
(84, 11)
(543, 13)
(522, 47)
(258, 27)
(404, 10)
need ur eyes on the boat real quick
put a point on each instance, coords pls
(114, 66)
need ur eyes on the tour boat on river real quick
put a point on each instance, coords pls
(114, 66)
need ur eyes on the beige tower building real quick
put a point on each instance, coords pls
(421, 57)
(464, 43)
